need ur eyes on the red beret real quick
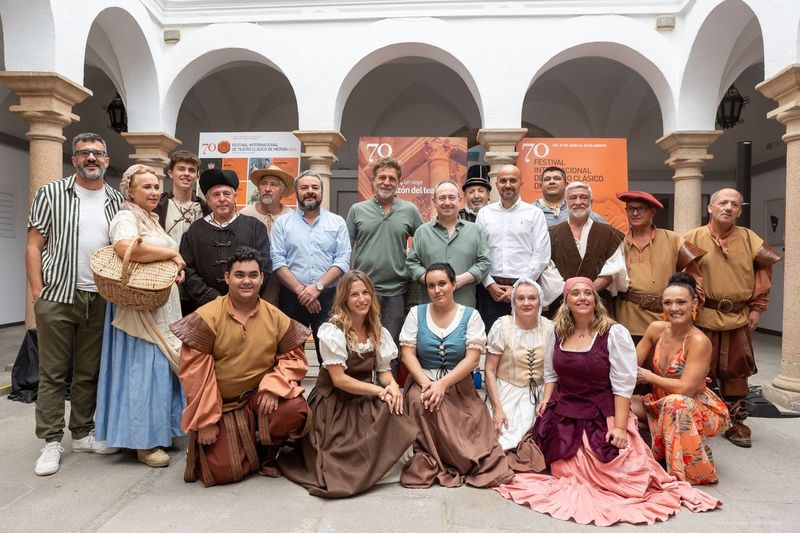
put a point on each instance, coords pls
(640, 196)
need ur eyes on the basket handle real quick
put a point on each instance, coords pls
(127, 259)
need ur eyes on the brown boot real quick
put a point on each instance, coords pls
(269, 461)
(739, 434)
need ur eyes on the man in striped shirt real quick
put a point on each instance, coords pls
(68, 222)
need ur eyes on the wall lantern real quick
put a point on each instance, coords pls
(729, 112)
(117, 117)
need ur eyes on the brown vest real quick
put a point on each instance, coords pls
(602, 243)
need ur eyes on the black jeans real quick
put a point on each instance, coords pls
(288, 303)
(491, 310)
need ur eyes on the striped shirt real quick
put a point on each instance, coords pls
(54, 213)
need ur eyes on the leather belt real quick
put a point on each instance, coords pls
(504, 281)
(724, 305)
(647, 301)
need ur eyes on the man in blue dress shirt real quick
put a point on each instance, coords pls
(310, 251)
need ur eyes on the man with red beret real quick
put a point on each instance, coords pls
(652, 255)
(737, 276)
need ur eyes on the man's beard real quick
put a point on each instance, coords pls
(91, 175)
(267, 200)
(309, 204)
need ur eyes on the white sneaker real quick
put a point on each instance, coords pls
(88, 444)
(49, 460)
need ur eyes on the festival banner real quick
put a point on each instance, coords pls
(425, 160)
(600, 163)
(244, 152)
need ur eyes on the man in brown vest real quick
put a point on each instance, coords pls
(582, 247)
(652, 255)
(737, 276)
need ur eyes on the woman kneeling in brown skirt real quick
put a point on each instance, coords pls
(360, 430)
(441, 344)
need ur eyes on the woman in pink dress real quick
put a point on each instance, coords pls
(682, 412)
(601, 471)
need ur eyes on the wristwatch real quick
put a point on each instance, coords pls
(319, 286)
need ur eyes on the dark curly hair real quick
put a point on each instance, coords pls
(244, 253)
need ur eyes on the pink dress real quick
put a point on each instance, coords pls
(627, 486)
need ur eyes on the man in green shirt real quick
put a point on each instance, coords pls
(447, 239)
(379, 230)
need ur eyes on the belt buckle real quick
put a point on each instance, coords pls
(725, 305)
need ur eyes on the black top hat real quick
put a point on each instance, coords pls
(477, 175)
(217, 176)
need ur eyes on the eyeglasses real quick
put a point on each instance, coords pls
(83, 154)
(633, 210)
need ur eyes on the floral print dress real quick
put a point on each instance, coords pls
(681, 425)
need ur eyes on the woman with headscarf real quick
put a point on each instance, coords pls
(514, 373)
(139, 397)
(601, 470)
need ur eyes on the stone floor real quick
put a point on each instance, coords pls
(760, 488)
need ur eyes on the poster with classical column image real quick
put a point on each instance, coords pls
(425, 160)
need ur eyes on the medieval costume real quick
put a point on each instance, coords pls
(139, 397)
(597, 253)
(590, 479)
(208, 245)
(224, 366)
(457, 442)
(355, 440)
(737, 276)
(649, 268)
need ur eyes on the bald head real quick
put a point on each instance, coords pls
(724, 208)
(509, 181)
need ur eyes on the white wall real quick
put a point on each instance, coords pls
(14, 181)
(769, 185)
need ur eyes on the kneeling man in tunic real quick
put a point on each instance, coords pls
(241, 365)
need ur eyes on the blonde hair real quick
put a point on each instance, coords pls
(564, 323)
(340, 314)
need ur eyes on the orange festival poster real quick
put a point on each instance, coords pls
(425, 161)
(600, 163)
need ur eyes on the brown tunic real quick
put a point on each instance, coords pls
(224, 367)
(601, 244)
(649, 270)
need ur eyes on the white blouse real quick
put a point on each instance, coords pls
(621, 355)
(476, 331)
(333, 347)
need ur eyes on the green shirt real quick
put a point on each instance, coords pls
(380, 241)
(466, 250)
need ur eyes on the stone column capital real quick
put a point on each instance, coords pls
(44, 92)
(320, 142)
(686, 146)
(784, 88)
(151, 148)
(501, 149)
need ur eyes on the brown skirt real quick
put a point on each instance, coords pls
(457, 444)
(355, 441)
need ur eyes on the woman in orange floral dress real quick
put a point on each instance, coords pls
(681, 412)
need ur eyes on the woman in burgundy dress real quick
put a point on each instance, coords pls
(601, 470)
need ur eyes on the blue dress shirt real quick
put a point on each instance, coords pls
(309, 250)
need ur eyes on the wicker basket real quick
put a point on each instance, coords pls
(140, 286)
